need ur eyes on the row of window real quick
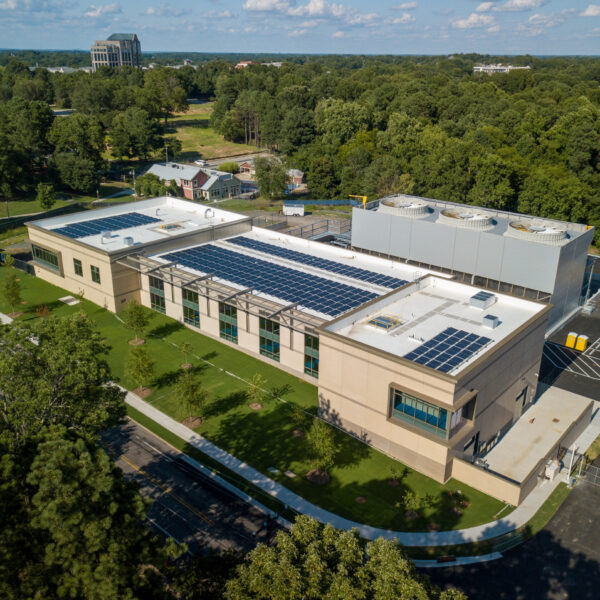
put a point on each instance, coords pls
(49, 259)
(269, 342)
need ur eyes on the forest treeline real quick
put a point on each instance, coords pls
(527, 141)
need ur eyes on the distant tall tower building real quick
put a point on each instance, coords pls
(118, 50)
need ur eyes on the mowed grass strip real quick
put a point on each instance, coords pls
(198, 138)
(264, 438)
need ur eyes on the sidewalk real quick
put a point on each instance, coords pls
(516, 519)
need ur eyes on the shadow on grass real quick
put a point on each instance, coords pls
(223, 404)
(165, 329)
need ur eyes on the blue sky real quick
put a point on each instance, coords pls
(344, 26)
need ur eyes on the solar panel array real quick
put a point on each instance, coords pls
(96, 226)
(323, 295)
(320, 263)
(448, 349)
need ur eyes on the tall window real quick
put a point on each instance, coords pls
(95, 271)
(269, 338)
(228, 322)
(157, 294)
(191, 310)
(46, 258)
(77, 267)
(311, 355)
(419, 413)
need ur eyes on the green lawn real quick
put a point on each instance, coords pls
(264, 438)
(198, 138)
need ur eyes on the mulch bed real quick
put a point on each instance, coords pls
(411, 515)
(142, 392)
(455, 510)
(318, 477)
(15, 315)
(297, 433)
(192, 422)
(255, 406)
(139, 342)
(360, 499)
(187, 366)
(393, 482)
(433, 527)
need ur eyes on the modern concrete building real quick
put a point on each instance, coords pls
(118, 50)
(430, 370)
(539, 259)
(198, 183)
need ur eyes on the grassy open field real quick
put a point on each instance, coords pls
(264, 438)
(198, 138)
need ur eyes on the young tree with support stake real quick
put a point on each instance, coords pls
(189, 389)
(139, 367)
(323, 449)
(11, 290)
(136, 318)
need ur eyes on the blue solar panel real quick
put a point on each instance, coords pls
(448, 349)
(320, 294)
(320, 263)
(96, 226)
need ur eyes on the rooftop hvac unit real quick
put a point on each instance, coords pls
(538, 231)
(128, 241)
(106, 236)
(490, 321)
(405, 206)
(466, 218)
(482, 300)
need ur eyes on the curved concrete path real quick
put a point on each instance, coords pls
(516, 519)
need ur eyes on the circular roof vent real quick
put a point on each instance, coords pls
(405, 206)
(537, 232)
(466, 218)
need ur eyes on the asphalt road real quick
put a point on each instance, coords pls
(185, 504)
(561, 562)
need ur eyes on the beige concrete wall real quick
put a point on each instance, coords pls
(486, 482)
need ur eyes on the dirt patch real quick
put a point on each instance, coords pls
(15, 315)
(360, 499)
(139, 342)
(142, 392)
(255, 406)
(192, 422)
(187, 366)
(23, 301)
(411, 515)
(318, 477)
(456, 511)
(433, 527)
(297, 433)
(393, 482)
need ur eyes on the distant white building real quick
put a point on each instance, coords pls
(499, 68)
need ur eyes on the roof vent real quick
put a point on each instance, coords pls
(105, 237)
(384, 323)
(466, 218)
(128, 241)
(490, 321)
(537, 232)
(482, 300)
(405, 206)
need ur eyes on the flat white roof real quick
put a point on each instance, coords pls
(420, 312)
(171, 217)
(314, 250)
(536, 433)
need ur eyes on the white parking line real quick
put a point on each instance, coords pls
(571, 361)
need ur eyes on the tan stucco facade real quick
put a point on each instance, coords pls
(356, 383)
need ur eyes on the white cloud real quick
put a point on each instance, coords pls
(8, 5)
(538, 23)
(474, 21)
(338, 34)
(100, 11)
(406, 6)
(214, 14)
(165, 10)
(485, 7)
(298, 33)
(265, 5)
(593, 10)
(519, 5)
(405, 19)
(311, 23)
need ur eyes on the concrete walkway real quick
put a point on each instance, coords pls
(516, 519)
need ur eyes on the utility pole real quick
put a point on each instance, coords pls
(166, 155)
